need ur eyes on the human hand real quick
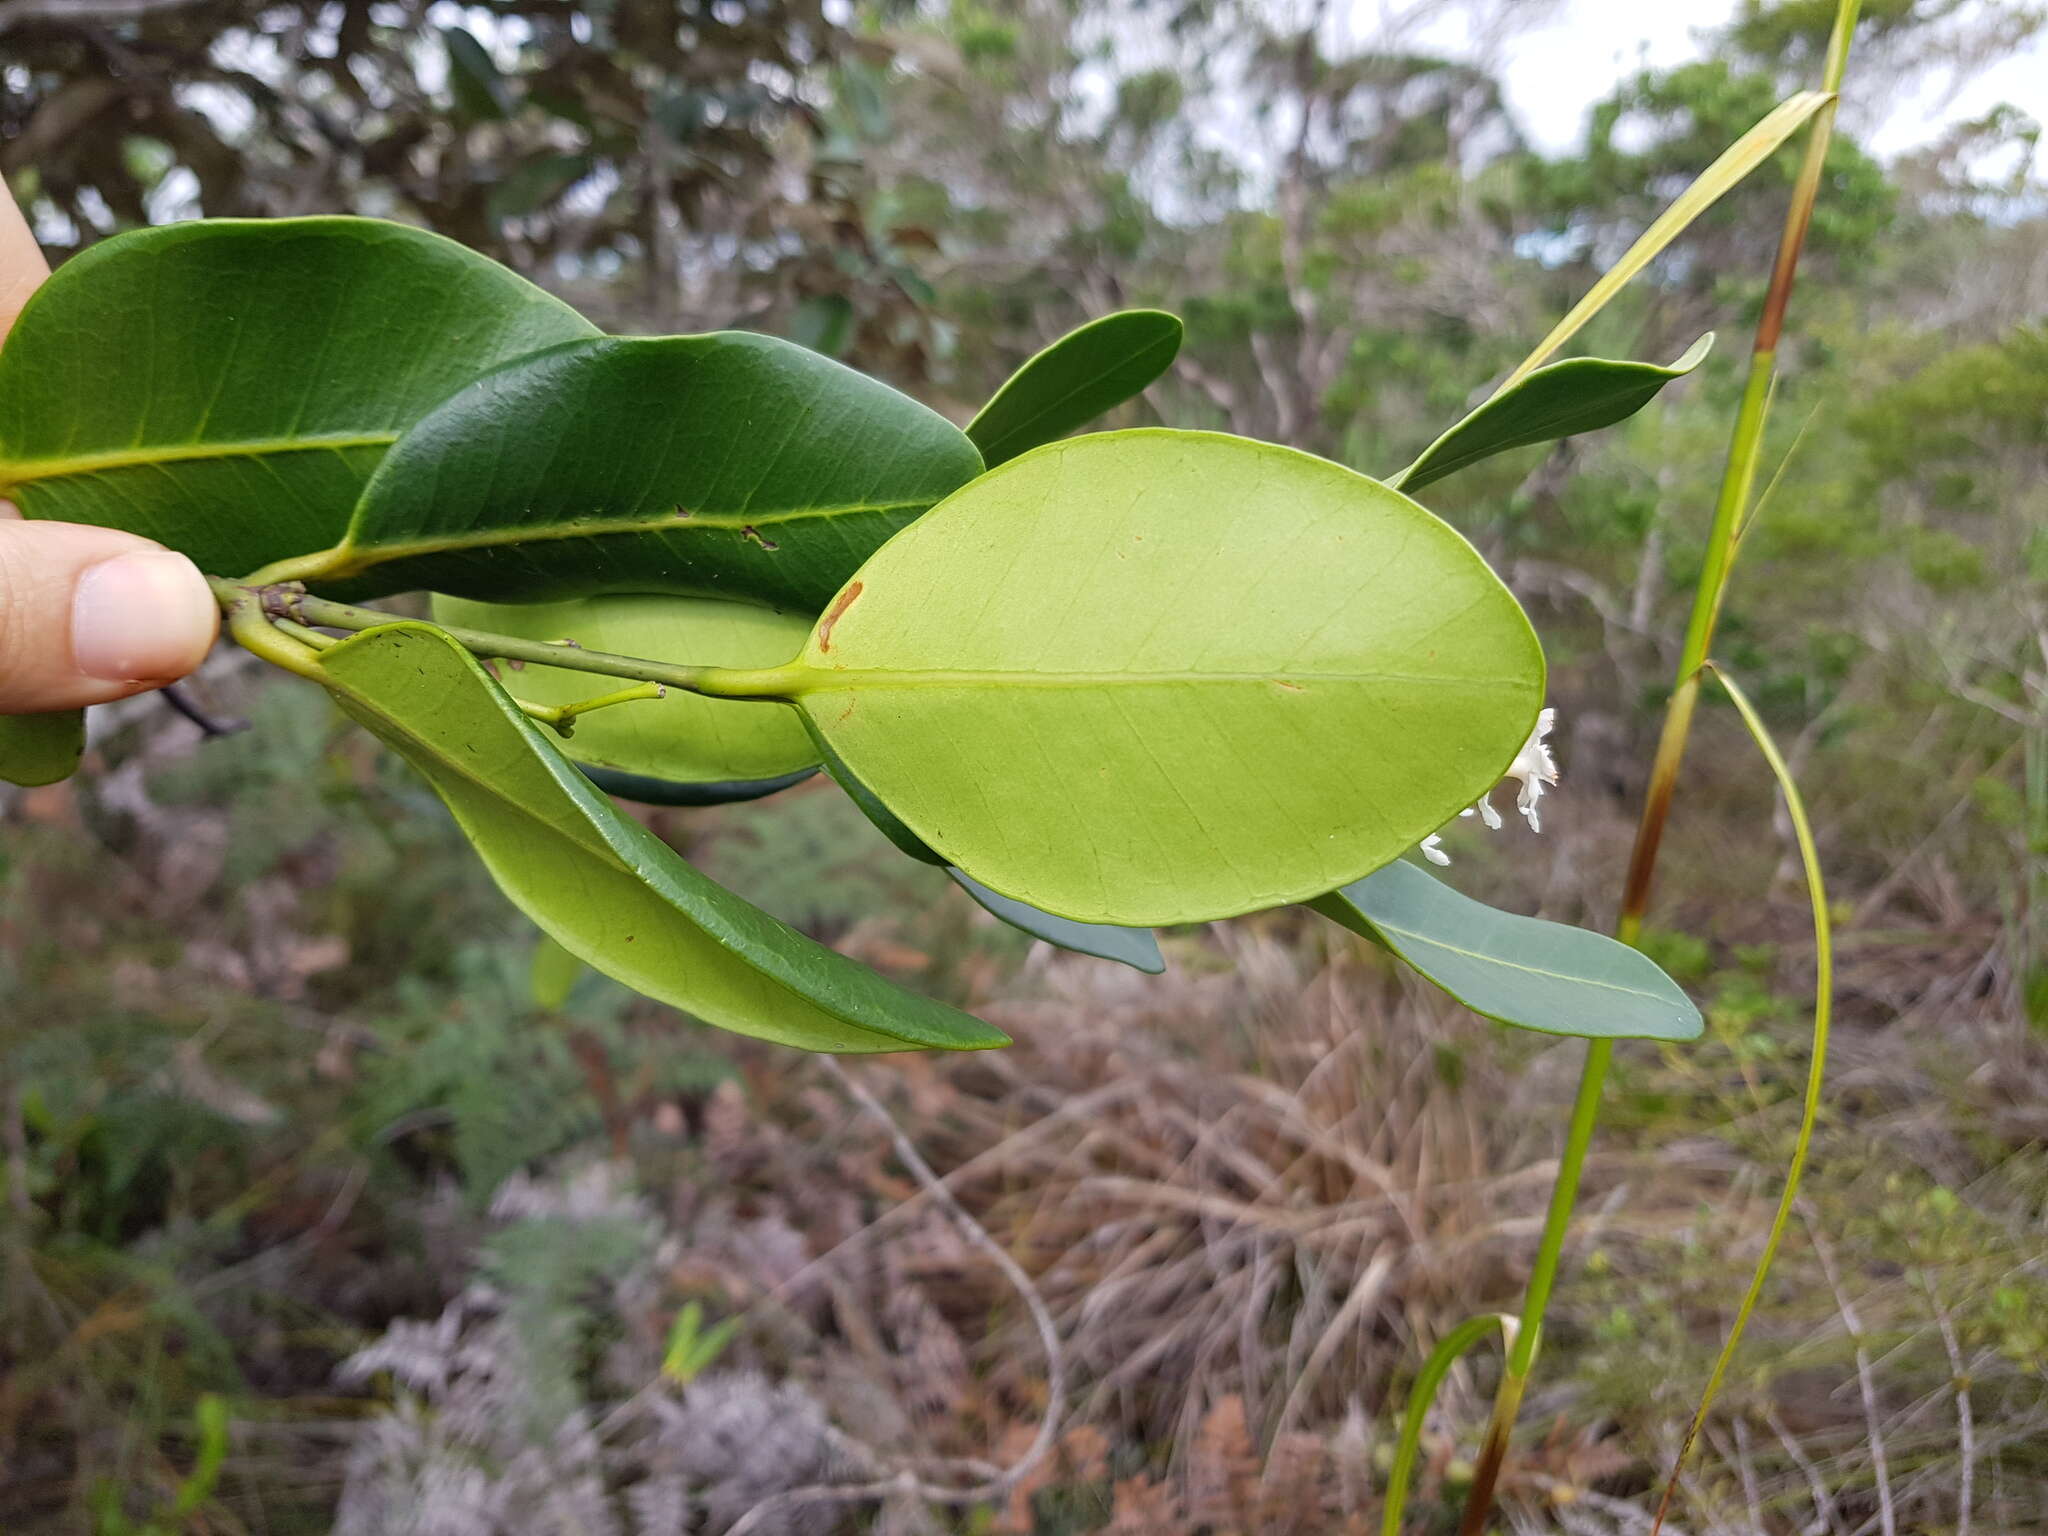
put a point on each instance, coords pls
(86, 614)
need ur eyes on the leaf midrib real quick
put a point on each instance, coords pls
(1575, 977)
(845, 679)
(356, 553)
(23, 471)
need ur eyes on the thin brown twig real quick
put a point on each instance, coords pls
(907, 1483)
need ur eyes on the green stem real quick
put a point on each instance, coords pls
(288, 603)
(1521, 1355)
(563, 716)
(1738, 481)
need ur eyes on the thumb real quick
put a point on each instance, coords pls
(93, 614)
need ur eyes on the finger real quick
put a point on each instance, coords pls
(92, 614)
(22, 268)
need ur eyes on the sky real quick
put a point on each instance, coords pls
(1558, 67)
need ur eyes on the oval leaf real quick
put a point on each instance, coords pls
(684, 739)
(41, 749)
(1162, 677)
(1576, 395)
(479, 89)
(728, 465)
(600, 884)
(1519, 970)
(1092, 369)
(227, 387)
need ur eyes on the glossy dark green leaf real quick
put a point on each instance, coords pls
(729, 465)
(1577, 395)
(1088, 371)
(1135, 947)
(600, 884)
(479, 89)
(1161, 677)
(1520, 970)
(642, 789)
(227, 387)
(685, 741)
(41, 749)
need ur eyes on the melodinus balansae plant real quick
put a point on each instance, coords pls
(1109, 681)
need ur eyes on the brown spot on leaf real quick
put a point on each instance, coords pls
(751, 532)
(839, 607)
(1281, 682)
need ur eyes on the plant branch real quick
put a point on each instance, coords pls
(287, 604)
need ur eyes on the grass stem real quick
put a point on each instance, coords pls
(1738, 483)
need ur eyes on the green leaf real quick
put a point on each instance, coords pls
(535, 182)
(643, 790)
(1719, 179)
(684, 739)
(1092, 369)
(1520, 970)
(554, 974)
(1135, 947)
(1577, 395)
(1162, 677)
(226, 387)
(600, 884)
(41, 749)
(728, 465)
(473, 78)
(824, 323)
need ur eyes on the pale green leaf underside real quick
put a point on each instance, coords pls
(684, 738)
(601, 885)
(1136, 947)
(728, 465)
(1520, 970)
(1158, 677)
(553, 974)
(1092, 369)
(41, 749)
(1580, 394)
(227, 387)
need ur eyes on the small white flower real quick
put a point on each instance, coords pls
(1536, 769)
(1533, 768)
(1486, 812)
